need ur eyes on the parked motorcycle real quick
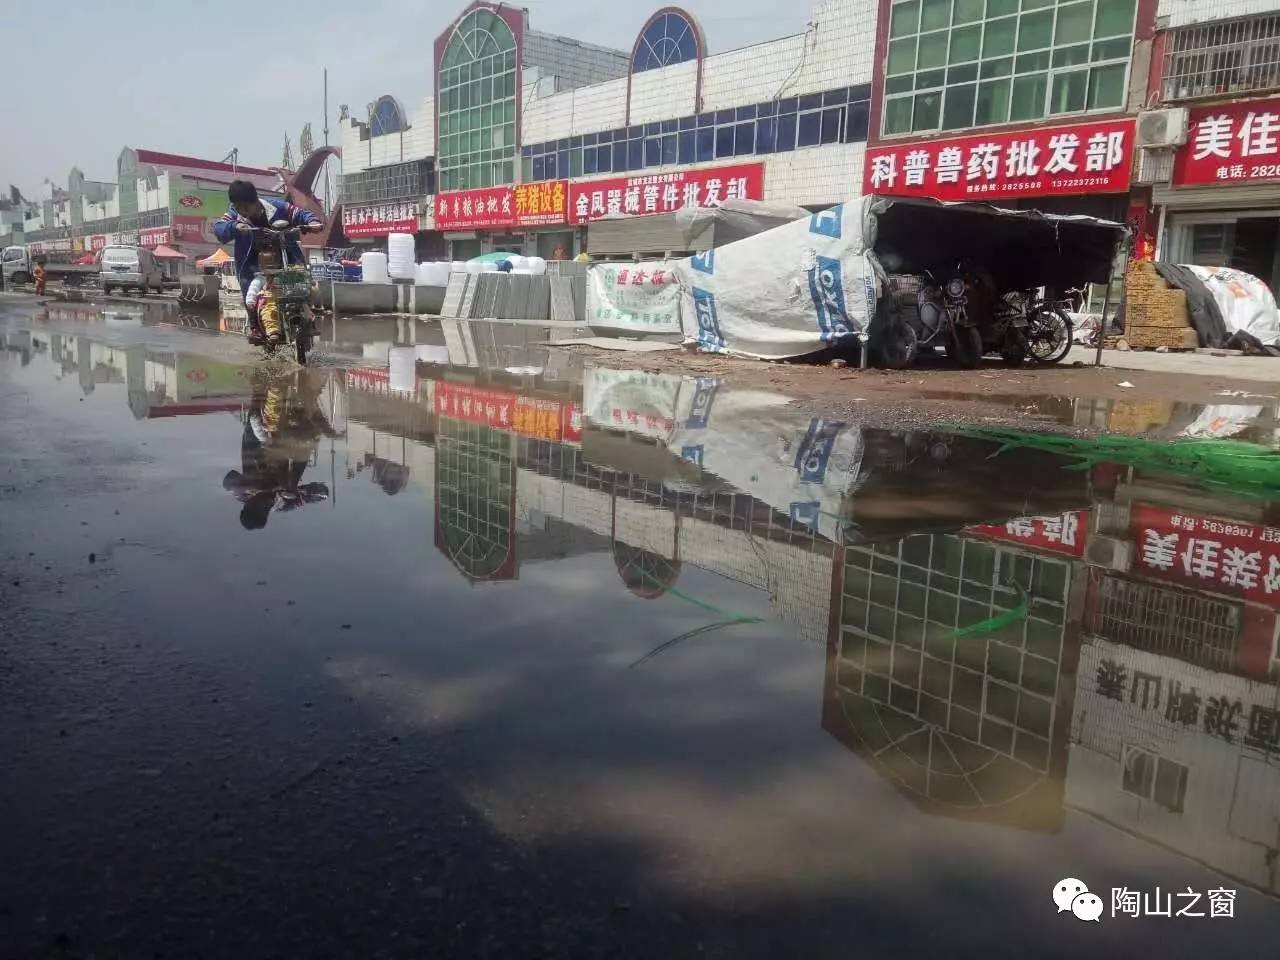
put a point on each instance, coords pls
(289, 284)
(946, 317)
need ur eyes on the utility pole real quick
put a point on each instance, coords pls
(328, 204)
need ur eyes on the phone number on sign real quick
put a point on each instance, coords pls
(1083, 182)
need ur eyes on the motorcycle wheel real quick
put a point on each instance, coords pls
(1049, 335)
(1014, 350)
(897, 348)
(964, 346)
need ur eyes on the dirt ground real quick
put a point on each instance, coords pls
(941, 392)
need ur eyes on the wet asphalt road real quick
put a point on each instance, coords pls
(319, 738)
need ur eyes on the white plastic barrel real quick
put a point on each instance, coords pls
(373, 267)
(400, 263)
(537, 266)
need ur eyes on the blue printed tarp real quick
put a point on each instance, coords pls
(786, 292)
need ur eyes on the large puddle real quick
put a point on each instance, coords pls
(718, 674)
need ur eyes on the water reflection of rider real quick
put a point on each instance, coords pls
(281, 431)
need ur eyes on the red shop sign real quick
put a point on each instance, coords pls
(539, 419)
(572, 427)
(1224, 556)
(153, 238)
(1231, 143)
(489, 408)
(1082, 158)
(524, 205)
(664, 192)
(1065, 534)
(380, 219)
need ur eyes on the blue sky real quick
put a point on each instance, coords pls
(199, 78)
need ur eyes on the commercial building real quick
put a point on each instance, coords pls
(1212, 143)
(529, 137)
(1027, 102)
(157, 200)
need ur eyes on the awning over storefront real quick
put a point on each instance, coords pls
(165, 252)
(1218, 196)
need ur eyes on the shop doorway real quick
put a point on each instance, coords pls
(556, 245)
(464, 250)
(1251, 244)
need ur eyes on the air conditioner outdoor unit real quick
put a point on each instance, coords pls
(1162, 128)
(1109, 552)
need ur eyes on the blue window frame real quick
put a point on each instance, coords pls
(669, 150)
(685, 152)
(669, 38)
(724, 142)
(723, 116)
(786, 133)
(766, 134)
(811, 102)
(706, 145)
(700, 138)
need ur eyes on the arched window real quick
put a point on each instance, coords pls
(668, 38)
(477, 104)
(387, 117)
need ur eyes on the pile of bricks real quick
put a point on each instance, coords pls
(1155, 315)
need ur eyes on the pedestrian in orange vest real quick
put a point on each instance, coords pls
(40, 275)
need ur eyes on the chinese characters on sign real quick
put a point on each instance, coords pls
(1085, 158)
(539, 419)
(640, 296)
(524, 205)
(1220, 555)
(153, 238)
(380, 219)
(1230, 143)
(1065, 534)
(489, 408)
(1218, 714)
(664, 192)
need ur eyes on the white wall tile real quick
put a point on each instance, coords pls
(1183, 12)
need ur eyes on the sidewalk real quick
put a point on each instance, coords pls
(1195, 364)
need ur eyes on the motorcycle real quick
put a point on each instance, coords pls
(289, 284)
(945, 313)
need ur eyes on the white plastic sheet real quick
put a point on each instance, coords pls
(642, 296)
(786, 292)
(1245, 301)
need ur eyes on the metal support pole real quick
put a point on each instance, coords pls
(1106, 303)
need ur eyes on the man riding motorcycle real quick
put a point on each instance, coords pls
(246, 212)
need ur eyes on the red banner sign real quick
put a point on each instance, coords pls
(664, 192)
(1065, 534)
(524, 205)
(380, 219)
(572, 427)
(1083, 158)
(1223, 556)
(539, 419)
(489, 408)
(1230, 143)
(152, 238)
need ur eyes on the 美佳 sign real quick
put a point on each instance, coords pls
(1231, 143)
(1223, 556)
(380, 219)
(1083, 158)
(191, 200)
(524, 205)
(664, 192)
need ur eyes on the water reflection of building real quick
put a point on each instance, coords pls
(967, 724)
(1177, 723)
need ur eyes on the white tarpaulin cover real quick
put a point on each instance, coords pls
(759, 443)
(640, 296)
(1245, 301)
(787, 292)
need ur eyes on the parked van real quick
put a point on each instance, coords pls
(130, 267)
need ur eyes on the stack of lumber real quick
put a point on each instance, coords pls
(1155, 315)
